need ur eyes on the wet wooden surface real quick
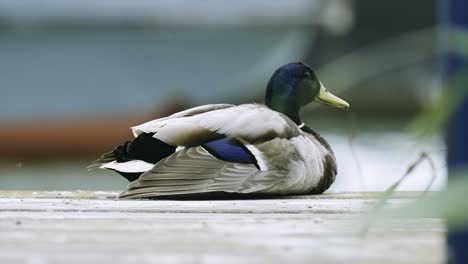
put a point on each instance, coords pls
(94, 227)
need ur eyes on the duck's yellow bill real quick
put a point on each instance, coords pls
(325, 97)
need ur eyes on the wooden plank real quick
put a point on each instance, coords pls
(93, 227)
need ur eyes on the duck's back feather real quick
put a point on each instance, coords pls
(249, 122)
(155, 125)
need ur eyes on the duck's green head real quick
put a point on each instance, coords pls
(295, 85)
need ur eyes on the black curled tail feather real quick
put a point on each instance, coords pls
(145, 147)
(120, 154)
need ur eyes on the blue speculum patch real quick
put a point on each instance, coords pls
(229, 150)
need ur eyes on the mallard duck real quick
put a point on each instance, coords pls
(224, 148)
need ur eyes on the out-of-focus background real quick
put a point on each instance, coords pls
(75, 75)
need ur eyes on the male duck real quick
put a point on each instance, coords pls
(248, 149)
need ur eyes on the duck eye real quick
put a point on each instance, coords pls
(307, 74)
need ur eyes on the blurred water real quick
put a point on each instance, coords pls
(372, 162)
(59, 73)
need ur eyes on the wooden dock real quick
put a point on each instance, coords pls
(94, 227)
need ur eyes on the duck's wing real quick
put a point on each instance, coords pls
(154, 125)
(249, 122)
(194, 170)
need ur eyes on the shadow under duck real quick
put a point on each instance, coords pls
(223, 148)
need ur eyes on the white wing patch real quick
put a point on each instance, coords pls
(179, 148)
(129, 166)
(261, 162)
